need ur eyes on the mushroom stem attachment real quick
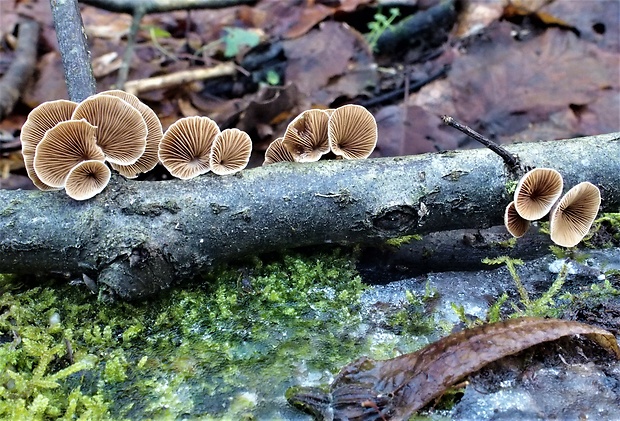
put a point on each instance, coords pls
(509, 159)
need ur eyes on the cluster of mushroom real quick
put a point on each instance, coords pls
(349, 132)
(537, 194)
(66, 144)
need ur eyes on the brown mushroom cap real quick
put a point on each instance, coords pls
(121, 129)
(185, 149)
(352, 132)
(40, 120)
(230, 152)
(574, 214)
(149, 158)
(276, 152)
(515, 224)
(306, 136)
(87, 179)
(62, 148)
(536, 193)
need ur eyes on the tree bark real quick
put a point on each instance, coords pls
(139, 237)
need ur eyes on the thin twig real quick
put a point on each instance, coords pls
(509, 159)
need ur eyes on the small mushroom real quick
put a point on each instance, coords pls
(185, 149)
(62, 148)
(121, 129)
(149, 158)
(306, 136)
(230, 152)
(574, 214)
(515, 224)
(276, 152)
(352, 132)
(87, 179)
(536, 193)
(40, 120)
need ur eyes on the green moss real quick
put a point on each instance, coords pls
(405, 239)
(511, 186)
(416, 316)
(508, 244)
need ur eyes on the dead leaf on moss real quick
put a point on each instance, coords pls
(395, 389)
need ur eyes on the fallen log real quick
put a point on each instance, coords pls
(139, 237)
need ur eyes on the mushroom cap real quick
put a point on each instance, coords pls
(306, 136)
(87, 179)
(230, 152)
(185, 149)
(574, 214)
(352, 132)
(62, 148)
(121, 129)
(536, 193)
(277, 152)
(40, 120)
(149, 158)
(516, 225)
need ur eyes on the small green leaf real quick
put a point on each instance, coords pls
(236, 38)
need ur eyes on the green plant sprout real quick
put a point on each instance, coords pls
(381, 24)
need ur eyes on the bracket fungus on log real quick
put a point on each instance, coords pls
(574, 214)
(277, 152)
(352, 132)
(516, 225)
(536, 193)
(121, 129)
(87, 179)
(230, 152)
(185, 148)
(149, 158)
(306, 136)
(39, 121)
(63, 147)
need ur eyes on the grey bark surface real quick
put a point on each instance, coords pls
(74, 52)
(137, 238)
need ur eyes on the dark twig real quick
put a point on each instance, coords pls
(22, 67)
(137, 15)
(159, 6)
(73, 49)
(509, 159)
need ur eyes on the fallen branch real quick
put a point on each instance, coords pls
(160, 6)
(22, 67)
(179, 78)
(137, 238)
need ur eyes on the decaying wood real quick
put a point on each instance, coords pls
(137, 238)
(395, 389)
(22, 67)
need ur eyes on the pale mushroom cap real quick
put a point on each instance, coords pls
(149, 158)
(574, 214)
(230, 152)
(352, 132)
(536, 193)
(306, 136)
(276, 152)
(62, 148)
(515, 224)
(87, 179)
(121, 129)
(40, 120)
(185, 149)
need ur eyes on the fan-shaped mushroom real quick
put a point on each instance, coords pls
(87, 179)
(121, 129)
(230, 152)
(149, 158)
(40, 120)
(536, 193)
(306, 136)
(515, 224)
(276, 152)
(352, 132)
(185, 149)
(62, 148)
(574, 214)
